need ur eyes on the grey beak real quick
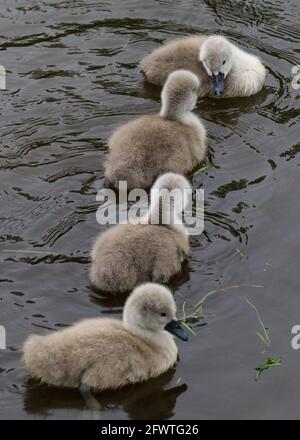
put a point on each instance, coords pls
(175, 328)
(218, 83)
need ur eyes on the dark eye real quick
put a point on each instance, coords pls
(163, 314)
(224, 61)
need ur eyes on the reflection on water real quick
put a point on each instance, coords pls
(155, 398)
(72, 77)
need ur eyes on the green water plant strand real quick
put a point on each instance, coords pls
(201, 170)
(270, 363)
(196, 311)
(264, 337)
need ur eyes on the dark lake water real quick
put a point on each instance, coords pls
(72, 77)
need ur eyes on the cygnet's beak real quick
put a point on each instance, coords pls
(218, 83)
(175, 328)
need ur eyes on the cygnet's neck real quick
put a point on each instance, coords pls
(164, 214)
(172, 110)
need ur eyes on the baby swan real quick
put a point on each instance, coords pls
(107, 353)
(151, 249)
(223, 68)
(173, 140)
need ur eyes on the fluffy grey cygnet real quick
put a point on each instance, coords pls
(151, 250)
(102, 354)
(223, 68)
(173, 140)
